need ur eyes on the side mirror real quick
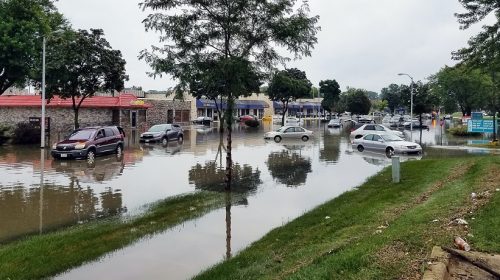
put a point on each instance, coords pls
(381, 140)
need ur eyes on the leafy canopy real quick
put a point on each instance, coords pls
(198, 32)
(357, 101)
(23, 23)
(81, 63)
(330, 90)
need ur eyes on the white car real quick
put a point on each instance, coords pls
(289, 132)
(334, 123)
(387, 143)
(372, 128)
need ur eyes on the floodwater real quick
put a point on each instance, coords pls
(283, 180)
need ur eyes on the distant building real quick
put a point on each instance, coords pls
(125, 110)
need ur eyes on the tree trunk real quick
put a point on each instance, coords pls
(77, 125)
(228, 225)
(285, 109)
(494, 126)
(229, 160)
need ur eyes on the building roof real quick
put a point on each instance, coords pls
(122, 101)
(239, 104)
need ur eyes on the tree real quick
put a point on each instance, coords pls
(80, 63)
(330, 90)
(423, 99)
(461, 87)
(391, 94)
(357, 102)
(240, 34)
(23, 24)
(372, 95)
(484, 49)
(288, 85)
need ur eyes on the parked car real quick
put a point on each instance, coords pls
(415, 124)
(163, 133)
(289, 132)
(293, 121)
(371, 128)
(388, 143)
(247, 117)
(334, 123)
(90, 142)
(203, 120)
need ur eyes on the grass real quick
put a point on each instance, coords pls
(380, 230)
(46, 255)
(490, 145)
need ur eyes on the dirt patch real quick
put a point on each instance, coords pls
(393, 255)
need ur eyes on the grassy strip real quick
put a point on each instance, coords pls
(379, 231)
(46, 255)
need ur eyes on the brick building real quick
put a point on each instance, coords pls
(124, 110)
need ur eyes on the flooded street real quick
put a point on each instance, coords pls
(278, 182)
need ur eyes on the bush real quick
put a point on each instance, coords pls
(5, 133)
(26, 134)
(462, 131)
(252, 123)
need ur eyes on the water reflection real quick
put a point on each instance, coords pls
(210, 177)
(40, 209)
(101, 170)
(288, 167)
(331, 146)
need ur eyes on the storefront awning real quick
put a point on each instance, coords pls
(239, 104)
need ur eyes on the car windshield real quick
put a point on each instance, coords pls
(281, 129)
(81, 135)
(391, 137)
(159, 128)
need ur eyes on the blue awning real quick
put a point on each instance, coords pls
(297, 105)
(239, 104)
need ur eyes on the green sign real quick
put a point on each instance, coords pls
(480, 126)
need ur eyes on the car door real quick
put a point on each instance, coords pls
(111, 139)
(367, 142)
(378, 143)
(100, 141)
(289, 132)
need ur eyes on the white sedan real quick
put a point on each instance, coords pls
(374, 128)
(289, 132)
(388, 143)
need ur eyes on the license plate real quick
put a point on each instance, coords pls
(64, 155)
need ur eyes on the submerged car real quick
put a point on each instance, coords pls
(289, 132)
(388, 143)
(89, 142)
(334, 123)
(163, 133)
(371, 128)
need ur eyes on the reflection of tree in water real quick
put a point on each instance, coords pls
(211, 178)
(289, 168)
(61, 206)
(331, 149)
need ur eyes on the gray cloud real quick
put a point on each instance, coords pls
(363, 43)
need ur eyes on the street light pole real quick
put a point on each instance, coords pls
(411, 104)
(42, 121)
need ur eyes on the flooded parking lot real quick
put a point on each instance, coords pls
(280, 181)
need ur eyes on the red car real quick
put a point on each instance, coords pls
(89, 142)
(247, 118)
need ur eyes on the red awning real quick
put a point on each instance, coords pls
(123, 101)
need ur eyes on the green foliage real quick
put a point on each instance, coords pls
(396, 96)
(357, 101)
(81, 63)
(23, 23)
(288, 85)
(26, 134)
(209, 177)
(5, 133)
(201, 32)
(461, 87)
(462, 131)
(423, 99)
(379, 105)
(372, 95)
(330, 90)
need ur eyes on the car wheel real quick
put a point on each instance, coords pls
(361, 148)
(277, 139)
(164, 141)
(119, 150)
(305, 138)
(91, 157)
(180, 139)
(389, 152)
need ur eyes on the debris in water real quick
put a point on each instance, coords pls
(461, 244)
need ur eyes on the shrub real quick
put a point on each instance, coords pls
(26, 134)
(5, 133)
(462, 131)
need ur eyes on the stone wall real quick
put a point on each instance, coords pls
(61, 119)
(163, 111)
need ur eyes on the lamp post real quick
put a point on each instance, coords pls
(42, 122)
(411, 104)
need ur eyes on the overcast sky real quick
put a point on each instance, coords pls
(362, 43)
